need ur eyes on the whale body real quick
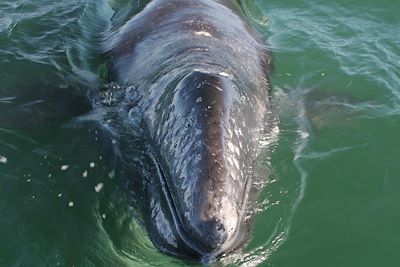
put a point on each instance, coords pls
(200, 91)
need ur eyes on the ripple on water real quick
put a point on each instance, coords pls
(5, 24)
(356, 41)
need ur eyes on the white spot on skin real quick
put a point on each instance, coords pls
(98, 187)
(203, 33)
(64, 167)
(232, 147)
(3, 159)
(224, 74)
(236, 163)
(237, 151)
(238, 132)
(230, 162)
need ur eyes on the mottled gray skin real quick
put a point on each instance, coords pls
(201, 95)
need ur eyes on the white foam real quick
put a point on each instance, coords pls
(64, 167)
(3, 159)
(98, 187)
(111, 174)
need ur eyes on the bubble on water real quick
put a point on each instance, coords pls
(85, 174)
(3, 159)
(71, 204)
(98, 187)
(92, 164)
(64, 167)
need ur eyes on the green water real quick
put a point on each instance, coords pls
(333, 184)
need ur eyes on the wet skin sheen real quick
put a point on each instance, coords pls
(201, 95)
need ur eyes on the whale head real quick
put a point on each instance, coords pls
(203, 138)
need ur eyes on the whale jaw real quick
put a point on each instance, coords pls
(205, 232)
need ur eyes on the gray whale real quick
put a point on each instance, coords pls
(199, 74)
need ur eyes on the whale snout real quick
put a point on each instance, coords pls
(210, 234)
(210, 237)
(212, 227)
(212, 223)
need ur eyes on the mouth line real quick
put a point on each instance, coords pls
(172, 207)
(183, 235)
